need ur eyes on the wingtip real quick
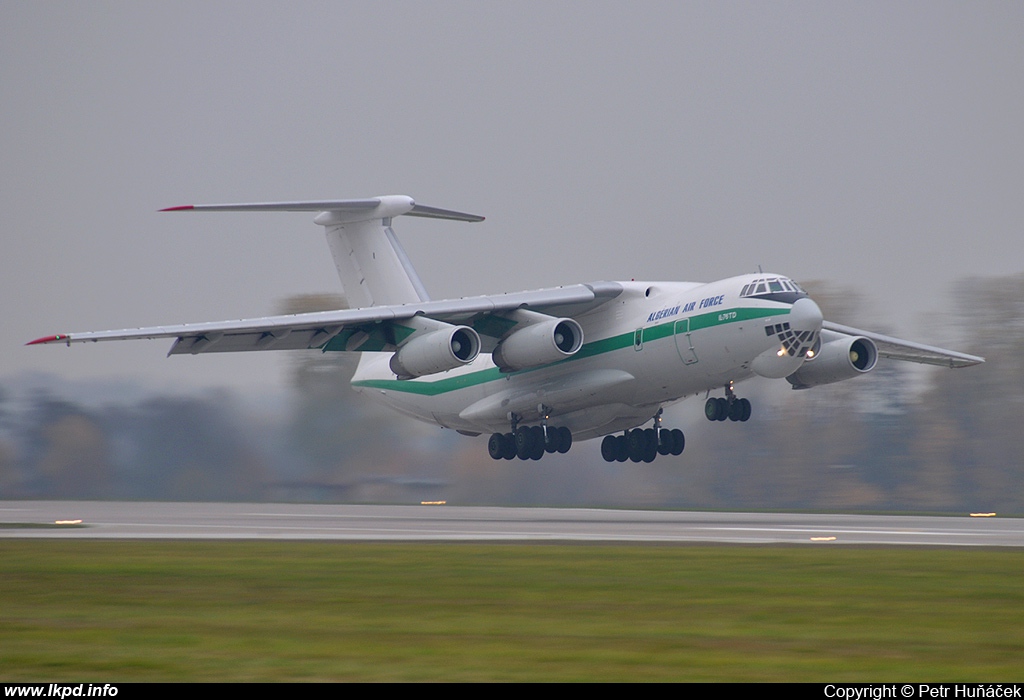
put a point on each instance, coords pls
(185, 207)
(48, 339)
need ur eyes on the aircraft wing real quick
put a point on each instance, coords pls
(897, 349)
(353, 329)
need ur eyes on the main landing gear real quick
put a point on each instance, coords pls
(641, 445)
(529, 442)
(731, 407)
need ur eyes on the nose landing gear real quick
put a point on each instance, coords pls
(731, 407)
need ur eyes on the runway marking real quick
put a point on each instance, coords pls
(417, 523)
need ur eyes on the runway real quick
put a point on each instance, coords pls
(287, 521)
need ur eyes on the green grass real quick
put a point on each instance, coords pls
(282, 611)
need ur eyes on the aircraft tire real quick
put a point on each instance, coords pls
(665, 442)
(566, 439)
(650, 445)
(711, 409)
(610, 448)
(510, 446)
(538, 442)
(623, 448)
(636, 440)
(747, 408)
(716, 409)
(496, 446)
(736, 410)
(552, 441)
(678, 442)
(524, 443)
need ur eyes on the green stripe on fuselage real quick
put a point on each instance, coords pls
(597, 347)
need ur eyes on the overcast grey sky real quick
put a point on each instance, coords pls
(870, 144)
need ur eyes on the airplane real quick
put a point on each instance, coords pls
(539, 370)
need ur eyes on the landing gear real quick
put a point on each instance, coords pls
(731, 407)
(643, 445)
(502, 446)
(529, 442)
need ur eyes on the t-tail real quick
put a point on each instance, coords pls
(372, 265)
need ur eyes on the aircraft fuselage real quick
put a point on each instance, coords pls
(656, 343)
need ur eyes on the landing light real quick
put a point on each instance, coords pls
(810, 354)
(781, 352)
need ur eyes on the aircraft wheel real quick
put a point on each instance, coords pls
(723, 409)
(510, 446)
(665, 442)
(736, 410)
(623, 449)
(711, 409)
(496, 446)
(565, 441)
(678, 442)
(650, 445)
(746, 410)
(610, 448)
(538, 442)
(637, 445)
(552, 441)
(524, 443)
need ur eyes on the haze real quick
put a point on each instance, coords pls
(872, 145)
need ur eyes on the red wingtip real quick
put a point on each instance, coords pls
(182, 208)
(47, 339)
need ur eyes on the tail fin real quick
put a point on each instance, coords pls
(371, 263)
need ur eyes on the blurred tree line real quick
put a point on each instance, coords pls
(900, 438)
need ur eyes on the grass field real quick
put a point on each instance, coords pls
(286, 611)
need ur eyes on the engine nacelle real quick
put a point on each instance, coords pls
(539, 344)
(835, 361)
(436, 351)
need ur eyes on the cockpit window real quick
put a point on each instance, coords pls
(774, 288)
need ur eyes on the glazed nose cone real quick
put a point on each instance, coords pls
(805, 315)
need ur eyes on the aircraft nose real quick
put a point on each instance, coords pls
(805, 315)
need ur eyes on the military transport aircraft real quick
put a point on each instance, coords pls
(541, 368)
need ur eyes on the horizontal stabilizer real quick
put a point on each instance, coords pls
(391, 205)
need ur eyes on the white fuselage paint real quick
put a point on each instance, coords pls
(654, 344)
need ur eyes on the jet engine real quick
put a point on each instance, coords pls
(538, 344)
(835, 361)
(436, 351)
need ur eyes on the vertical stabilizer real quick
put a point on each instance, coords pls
(373, 267)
